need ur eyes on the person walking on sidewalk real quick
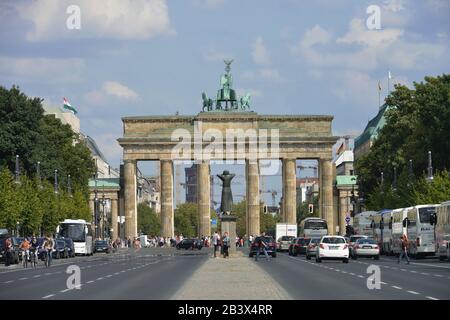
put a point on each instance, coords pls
(226, 244)
(404, 251)
(216, 243)
(261, 245)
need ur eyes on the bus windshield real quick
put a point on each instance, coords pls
(74, 231)
(425, 214)
(315, 224)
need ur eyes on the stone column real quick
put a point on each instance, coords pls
(327, 194)
(253, 205)
(130, 199)
(283, 191)
(167, 227)
(343, 209)
(91, 210)
(114, 214)
(290, 196)
(203, 199)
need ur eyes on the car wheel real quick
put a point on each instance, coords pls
(308, 257)
(345, 261)
(377, 257)
(294, 253)
(355, 257)
(318, 260)
(58, 255)
(274, 255)
(250, 255)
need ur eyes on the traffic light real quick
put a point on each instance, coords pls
(311, 208)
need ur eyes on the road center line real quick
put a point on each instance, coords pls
(395, 287)
(431, 298)
(413, 292)
(49, 296)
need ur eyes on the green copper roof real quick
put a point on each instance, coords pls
(373, 127)
(105, 183)
(346, 180)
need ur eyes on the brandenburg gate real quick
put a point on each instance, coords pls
(229, 132)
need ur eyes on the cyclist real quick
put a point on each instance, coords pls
(34, 249)
(48, 248)
(25, 246)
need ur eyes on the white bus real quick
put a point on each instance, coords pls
(421, 233)
(80, 232)
(382, 232)
(313, 228)
(443, 231)
(398, 229)
(362, 223)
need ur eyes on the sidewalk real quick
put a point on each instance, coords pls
(234, 278)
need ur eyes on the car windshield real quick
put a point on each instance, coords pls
(100, 242)
(75, 231)
(315, 240)
(333, 240)
(287, 238)
(315, 224)
(425, 214)
(354, 239)
(366, 241)
(265, 239)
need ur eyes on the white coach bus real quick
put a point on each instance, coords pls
(398, 229)
(443, 231)
(362, 223)
(80, 232)
(421, 233)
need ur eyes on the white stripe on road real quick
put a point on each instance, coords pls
(101, 278)
(90, 281)
(37, 276)
(425, 274)
(438, 275)
(431, 298)
(413, 292)
(10, 281)
(49, 296)
(23, 279)
(430, 265)
(360, 277)
(395, 287)
(413, 271)
(65, 290)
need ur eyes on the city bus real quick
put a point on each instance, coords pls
(443, 231)
(397, 229)
(313, 228)
(382, 232)
(362, 223)
(421, 235)
(80, 232)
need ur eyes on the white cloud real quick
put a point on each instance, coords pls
(359, 34)
(260, 54)
(108, 90)
(316, 35)
(209, 3)
(214, 55)
(109, 146)
(266, 74)
(52, 70)
(394, 5)
(254, 93)
(118, 19)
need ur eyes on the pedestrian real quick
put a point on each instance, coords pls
(216, 243)
(226, 244)
(261, 245)
(404, 251)
(8, 252)
(129, 242)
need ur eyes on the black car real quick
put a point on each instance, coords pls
(190, 244)
(70, 247)
(102, 246)
(59, 249)
(299, 246)
(270, 245)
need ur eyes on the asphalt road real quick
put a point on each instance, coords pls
(306, 279)
(147, 274)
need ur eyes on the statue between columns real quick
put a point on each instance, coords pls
(226, 204)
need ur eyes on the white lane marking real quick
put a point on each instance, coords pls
(90, 281)
(413, 292)
(430, 265)
(10, 281)
(116, 273)
(37, 276)
(101, 278)
(413, 271)
(49, 296)
(360, 276)
(344, 271)
(425, 274)
(438, 275)
(431, 298)
(23, 279)
(403, 269)
(109, 276)
(383, 282)
(123, 271)
(65, 290)
(395, 287)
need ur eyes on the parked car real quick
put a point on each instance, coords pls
(271, 246)
(59, 249)
(70, 247)
(352, 240)
(299, 246)
(284, 243)
(190, 244)
(332, 248)
(366, 248)
(102, 246)
(312, 248)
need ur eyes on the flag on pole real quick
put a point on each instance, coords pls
(68, 106)
(379, 85)
(389, 75)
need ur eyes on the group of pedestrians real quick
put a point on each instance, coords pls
(221, 243)
(30, 249)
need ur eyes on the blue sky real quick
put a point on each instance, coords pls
(156, 57)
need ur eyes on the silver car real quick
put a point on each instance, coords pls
(284, 242)
(311, 249)
(366, 248)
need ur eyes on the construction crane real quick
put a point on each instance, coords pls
(274, 194)
(301, 167)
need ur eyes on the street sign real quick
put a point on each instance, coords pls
(214, 222)
(347, 219)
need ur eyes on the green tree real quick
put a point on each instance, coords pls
(148, 221)
(436, 191)
(31, 207)
(9, 205)
(240, 211)
(186, 219)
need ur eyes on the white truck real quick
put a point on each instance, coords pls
(284, 234)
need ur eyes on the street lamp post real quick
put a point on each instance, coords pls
(430, 168)
(17, 171)
(69, 186)
(394, 182)
(56, 182)
(38, 174)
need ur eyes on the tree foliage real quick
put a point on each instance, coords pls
(416, 122)
(148, 221)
